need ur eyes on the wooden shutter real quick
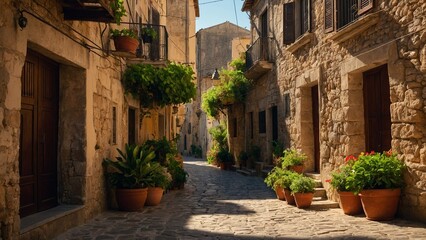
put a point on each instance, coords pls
(306, 16)
(364, 6)
(289, 22)
(328, 15)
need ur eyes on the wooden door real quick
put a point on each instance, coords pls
(39, 134)
(315, 122)
(377, 110)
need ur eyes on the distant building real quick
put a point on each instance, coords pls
(216, 47)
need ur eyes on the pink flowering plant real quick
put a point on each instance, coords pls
(376, 171)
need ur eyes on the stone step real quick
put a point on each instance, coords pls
(315, 176)
(320, 193)
(318, 183)
(321, 204)
(247, 172)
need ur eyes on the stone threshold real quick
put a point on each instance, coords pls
(36, 220)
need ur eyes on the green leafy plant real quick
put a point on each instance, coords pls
(341, 177)
(242, 158)
(273, 176)
(155, 86)
(302, 184)
(376, 171)
(219, 135)
(124, 33)
(277, 149)
(292, 157)
(179, 175)
(159, 176)
(131, 169)
(286, 179)
(162, 148)
(224, 156)
(118, 10)
(196, 151)
(149, 32)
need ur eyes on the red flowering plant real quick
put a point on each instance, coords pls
(340, 177)
(376, 171)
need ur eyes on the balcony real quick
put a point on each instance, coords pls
(258, 58)
(88, 10)
(150, 51)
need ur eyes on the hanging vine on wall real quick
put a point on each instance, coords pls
(159, 87)
(233, 88)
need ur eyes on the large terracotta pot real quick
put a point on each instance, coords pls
(279, 191)
(297, 168)
(380, 204)
(350, 203)
(126, 44)
(131, 199)
(155, 194)
(303, 200)
(288, 197)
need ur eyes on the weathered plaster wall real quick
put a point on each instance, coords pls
(398, 40)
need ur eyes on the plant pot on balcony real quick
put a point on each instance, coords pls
(126, 44)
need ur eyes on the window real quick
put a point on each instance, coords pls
(345, 12)
(114, 125)
(297, 20)
(264, 35)
(262, 122)
(234, 126)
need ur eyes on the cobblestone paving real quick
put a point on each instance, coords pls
(219, 204)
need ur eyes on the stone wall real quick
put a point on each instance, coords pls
(393, 34)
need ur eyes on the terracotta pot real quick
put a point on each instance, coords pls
(380, 204)
(131, 199)
(297, 168)
(288, 197)
(155, 194)
(303, 200)
(279, 191)
(350, 203)
(126, 44)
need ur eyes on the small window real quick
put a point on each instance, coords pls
(297, 20)
(262, 122)
(114, 125)
(235, 129)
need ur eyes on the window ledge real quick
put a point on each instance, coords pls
(300, 42)
(355, 28)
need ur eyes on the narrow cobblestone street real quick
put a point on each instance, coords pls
(219, 204)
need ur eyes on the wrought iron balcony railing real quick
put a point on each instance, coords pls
(156, 47)
(258, 58)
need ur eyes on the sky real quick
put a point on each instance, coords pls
(213, 12)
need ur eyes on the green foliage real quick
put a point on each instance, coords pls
(233, 88)
(292, 158)
(179, 175)
(162, 148)
(132, 168)
(238, 64)
(341, 177)
(286, 179)
(211, 155)
(118, 9)
(155, 86)
(150, 32)
(277, 149)
(159, 177)
(196, 151)
(219, 134)
(376, 171)
(302, 184)
(242, 158)
(273, 176)
(123, 32)
(224, 156)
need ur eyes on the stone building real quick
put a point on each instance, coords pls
(63, 108)
(335, 78)
(216, 46)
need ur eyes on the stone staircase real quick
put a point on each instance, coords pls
(320, 196)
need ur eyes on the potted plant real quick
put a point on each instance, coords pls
(148, 34)
(293, 160)
(129, 174)
(118, 10)
(302, 189)
(277, 152)
(378, 178)
(125, 40)
(349, 202)
(179, 175)
(159, 179)
(272, 181)
(285, 181)
(225, 159)
(242, 159)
